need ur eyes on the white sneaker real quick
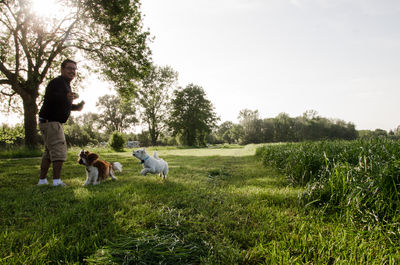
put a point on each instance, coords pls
(59, 183)
(43, 182)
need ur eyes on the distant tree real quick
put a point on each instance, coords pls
(309, 126)
(154, 98)
(144, 138)
(75, 135)
(89, 123)
(192, 116)
(366, 134)
(380, 133)
(32, 47)
(82, 131)
(251, 124)
(167, 139)
(397, 131)
(212, 138)
(283, 128)
(340, 129)
(394, 134)
(236, 133)
(116, 114)
(363, 134)
(224, 132)
(310, 115)
(267, 130)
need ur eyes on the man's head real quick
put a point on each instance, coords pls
(68, 69)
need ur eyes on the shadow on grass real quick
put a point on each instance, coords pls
(190, 218)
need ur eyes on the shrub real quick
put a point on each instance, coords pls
(11, 135)
(117, 141)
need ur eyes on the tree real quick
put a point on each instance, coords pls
(267, 130)
(192, 116)
(236, 133)
(31, 48)
(283, 128)
(379, 133)
(251, 124)
(224, 132)
(397, 131)
(90, 124)
(116, 114)
(75, 135)
(154, 97)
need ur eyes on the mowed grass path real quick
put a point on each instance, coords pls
(217, 206)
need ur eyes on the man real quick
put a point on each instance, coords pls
(56, 108)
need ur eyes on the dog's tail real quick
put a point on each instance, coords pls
(117, 166)
(155, 155)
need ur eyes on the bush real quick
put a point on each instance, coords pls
(10, 136)
(117, 141)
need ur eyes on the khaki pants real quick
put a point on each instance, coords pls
(54, 141)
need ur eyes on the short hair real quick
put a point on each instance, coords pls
(64, 63)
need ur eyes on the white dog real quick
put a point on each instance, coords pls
(154, 165)
(97, 170)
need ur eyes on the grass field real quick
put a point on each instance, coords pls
(217, 206)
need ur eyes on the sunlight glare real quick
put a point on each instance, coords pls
(46, 8)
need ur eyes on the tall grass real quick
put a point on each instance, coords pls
(357, 179)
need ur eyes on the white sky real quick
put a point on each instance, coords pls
(338, 57)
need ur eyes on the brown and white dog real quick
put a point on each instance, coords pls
(97, 170)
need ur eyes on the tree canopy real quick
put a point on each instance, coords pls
(154, 98)
(116, 114)
(192, 116)
(283, 128)
(109, 33)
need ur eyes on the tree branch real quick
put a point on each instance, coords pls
(5, 71)
(8, 94)
(5, 82)
(57, 49)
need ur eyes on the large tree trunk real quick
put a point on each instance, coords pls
(30, 122)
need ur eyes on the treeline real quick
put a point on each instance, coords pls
(283, 128)
(88, 129)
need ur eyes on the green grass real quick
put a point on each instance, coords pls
(358, 180)
(217, 206)
(19, 152)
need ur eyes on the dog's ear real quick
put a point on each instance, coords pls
(80, 156)
(92, 157)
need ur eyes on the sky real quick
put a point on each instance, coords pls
(338, 57)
